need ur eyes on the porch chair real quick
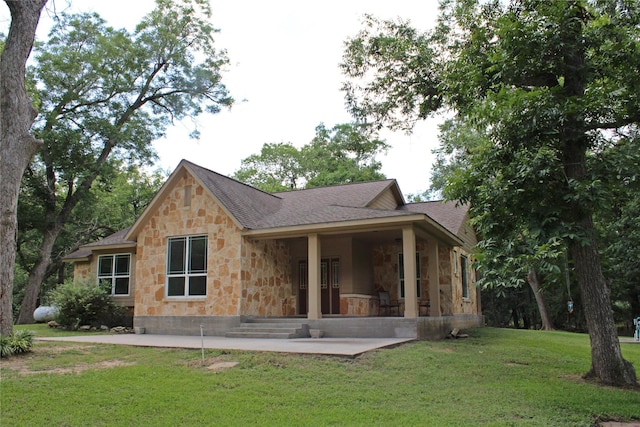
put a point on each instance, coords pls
(426, 306)
(385, 302)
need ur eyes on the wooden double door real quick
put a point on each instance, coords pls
(329, 286)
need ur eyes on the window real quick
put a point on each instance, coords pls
(115, 269)
(187, 266)
(324, 275)
(302, 274)
(455, 262)
(401, 274)
(465, 276)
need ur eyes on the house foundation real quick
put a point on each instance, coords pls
(422, 328)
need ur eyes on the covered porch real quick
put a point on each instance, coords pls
(343, 271)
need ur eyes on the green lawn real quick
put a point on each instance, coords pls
(497, 377)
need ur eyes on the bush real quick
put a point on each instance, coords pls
(84, 304)
(19, 342)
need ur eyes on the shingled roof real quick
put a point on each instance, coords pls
(254, 209)
(246, 203)
(116, 239)
(449, 214)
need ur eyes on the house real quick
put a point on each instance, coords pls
(215, 253)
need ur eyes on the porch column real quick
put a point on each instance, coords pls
(315, 310)
(434, 278)
(410, 285)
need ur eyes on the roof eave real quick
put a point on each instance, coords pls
(85, 258)
(374, 224)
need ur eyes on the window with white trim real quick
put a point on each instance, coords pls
(115, 270)
(401, 274)
(465, 276)
(187, 266)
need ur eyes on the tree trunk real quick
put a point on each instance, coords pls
(36, 276)
(543, 307)
(55, 222)
(515, 317)
(17, 145)
(607, 363)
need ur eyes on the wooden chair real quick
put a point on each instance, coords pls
(385, 302)
(426, 306)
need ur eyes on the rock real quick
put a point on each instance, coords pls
(455, 334)
(45, 313)
(104, 328)
(53, 324)
(84, 328)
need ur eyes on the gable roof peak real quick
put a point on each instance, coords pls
(193, 166)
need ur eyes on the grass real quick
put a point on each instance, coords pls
(497, 377)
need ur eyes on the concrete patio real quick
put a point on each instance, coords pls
(348, 347)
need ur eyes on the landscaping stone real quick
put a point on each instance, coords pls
(121, 330)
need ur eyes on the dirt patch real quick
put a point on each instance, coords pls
(213, 364)
(514, 364)
(20, 367)
(221, 366)
(619, 424)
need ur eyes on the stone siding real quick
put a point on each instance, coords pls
(177, 217)
(385, 270)
(358, 305)
(462, 305)
(83, 272)
(266, 277)
(445, 255)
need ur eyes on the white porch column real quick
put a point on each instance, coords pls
(410, 285)
(315, 309)
(434, 278)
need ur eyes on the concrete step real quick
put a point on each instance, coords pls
(268, 328)
(257, 334)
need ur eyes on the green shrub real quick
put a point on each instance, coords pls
(84, 304)
(19, 342)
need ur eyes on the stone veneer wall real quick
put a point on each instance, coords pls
(267, 288)
(385, 270)
(82, 272)
(358, 305)
(174, 217)
(465, 305)
(446, 283)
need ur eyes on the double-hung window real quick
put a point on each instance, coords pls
(187, 266)
(401, 273)
(116, 270)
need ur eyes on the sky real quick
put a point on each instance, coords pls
(284, 75)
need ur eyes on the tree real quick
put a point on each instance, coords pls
(107, 94)
(345, 153)
(619, 166)
(276, 168)
(516, 250)
(17, 145)
(115, 201)
(543, 82)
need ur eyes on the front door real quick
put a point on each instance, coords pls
(329, 286)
